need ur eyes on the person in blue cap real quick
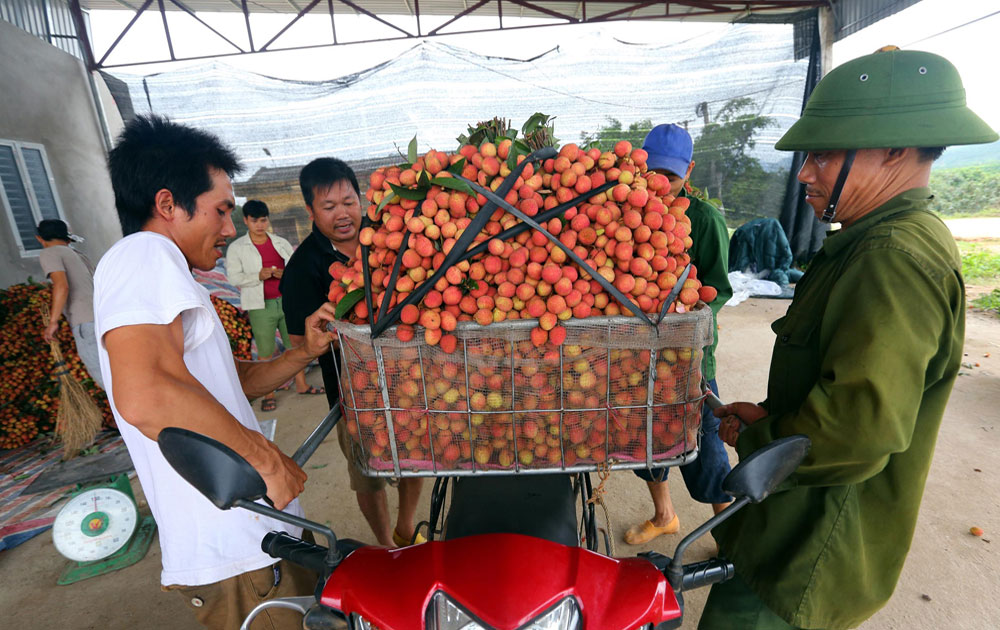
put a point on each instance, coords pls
(670, 151)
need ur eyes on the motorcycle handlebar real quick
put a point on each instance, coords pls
(296, 551)
(708, 572)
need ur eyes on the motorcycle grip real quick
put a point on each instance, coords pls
(707, 572)
(296, 551)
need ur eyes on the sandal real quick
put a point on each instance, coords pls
(311, 391)
(268, 404)
(645, 532)
(403, 542)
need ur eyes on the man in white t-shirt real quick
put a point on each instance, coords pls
(166, 361)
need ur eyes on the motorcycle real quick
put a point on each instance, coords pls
(509, 558)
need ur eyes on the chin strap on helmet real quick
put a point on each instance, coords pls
(831, 210)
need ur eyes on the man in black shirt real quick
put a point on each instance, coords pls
(333, 200)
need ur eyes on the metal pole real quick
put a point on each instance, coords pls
(166, 30)
(246, 18)
(333, 24)
(827, 33)
(81, 33)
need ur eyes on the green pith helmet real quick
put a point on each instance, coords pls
(893, 99)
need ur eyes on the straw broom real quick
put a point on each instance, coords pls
(78, 419)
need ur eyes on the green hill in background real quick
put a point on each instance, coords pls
(969, 155)
(967, 190)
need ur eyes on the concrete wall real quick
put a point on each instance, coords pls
(45, 98)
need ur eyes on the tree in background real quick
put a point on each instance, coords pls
(605, 137)
(723, 167)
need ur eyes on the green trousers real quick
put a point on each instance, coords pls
(265, 322)
(733, 605)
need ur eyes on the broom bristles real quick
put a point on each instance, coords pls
(78, 420)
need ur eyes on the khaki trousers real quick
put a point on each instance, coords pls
(223, 605)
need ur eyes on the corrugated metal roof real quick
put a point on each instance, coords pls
(854, 15)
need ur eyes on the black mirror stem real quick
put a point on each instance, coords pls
(675, 572)
(332, 555)
(315, 438)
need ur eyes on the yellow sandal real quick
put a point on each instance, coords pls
(403, 542)
(642, 534)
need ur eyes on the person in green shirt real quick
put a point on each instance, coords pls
(865, 358)
(670, 152)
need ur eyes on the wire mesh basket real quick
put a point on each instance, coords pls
(617, 393)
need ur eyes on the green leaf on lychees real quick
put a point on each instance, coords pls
(385, 201)
(536, 121)
(469, 285)
(456, 168)
(411, 151)
(408, 193)
(347, 302)
(423, 180)
(453, 184)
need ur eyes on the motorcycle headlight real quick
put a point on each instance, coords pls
(563, 616)
(445, 614)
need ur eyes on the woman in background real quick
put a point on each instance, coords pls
(255, 263)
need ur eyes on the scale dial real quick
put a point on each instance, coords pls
(94, 524)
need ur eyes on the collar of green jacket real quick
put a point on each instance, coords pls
(908, 200)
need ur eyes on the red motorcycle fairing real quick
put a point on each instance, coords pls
(504, 580)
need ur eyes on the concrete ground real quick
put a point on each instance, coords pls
(950, 580)
(974, 227)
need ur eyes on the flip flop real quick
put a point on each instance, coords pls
(268, 404)
(642, 534)
(311, 391)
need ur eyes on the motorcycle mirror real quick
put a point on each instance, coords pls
(762, 471)
(214, 469)
(751, 481)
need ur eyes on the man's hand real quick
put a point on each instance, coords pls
(50, 331)
(729, 430)
(265, 273)
(732, 415)
(317, 338)
(283, 477)
(277, 273)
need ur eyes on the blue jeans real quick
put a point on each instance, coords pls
(703, 477)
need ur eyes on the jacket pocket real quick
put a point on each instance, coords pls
(795, 363)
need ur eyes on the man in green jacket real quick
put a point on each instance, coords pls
(670, 152)
(865, 358)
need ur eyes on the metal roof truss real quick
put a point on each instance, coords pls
(557, 11)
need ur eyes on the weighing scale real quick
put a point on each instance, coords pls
(101, 531)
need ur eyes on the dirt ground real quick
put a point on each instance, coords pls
(951, 578)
